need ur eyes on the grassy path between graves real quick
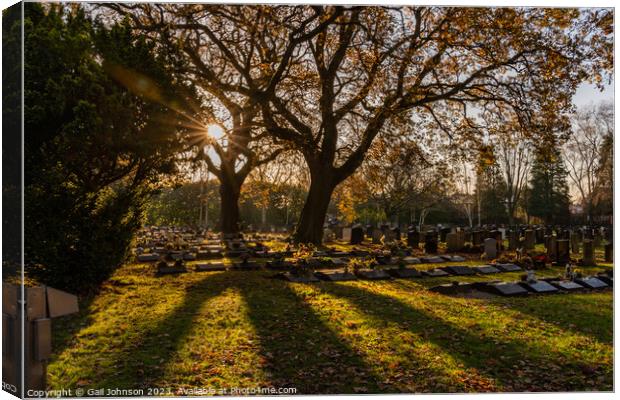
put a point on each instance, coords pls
(225, 330)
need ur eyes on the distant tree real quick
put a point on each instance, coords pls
(586, 153)
(548, 196)
(490, 188)
(180, 205)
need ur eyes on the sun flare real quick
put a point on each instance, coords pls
(215, 131)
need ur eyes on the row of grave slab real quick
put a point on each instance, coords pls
(547, 285)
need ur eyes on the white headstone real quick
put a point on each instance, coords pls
(346, 234)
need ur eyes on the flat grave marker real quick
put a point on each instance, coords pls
(210, 267)
(148, 257)
(336, 276)
(539, 287)
(432, 260)
(567, 285)
(170, 269)
(591, 282)
(404, 273)
(453, 288)
(507, 289)
(456, 258)
(485, 269)
(373, 274)
(459, 270)
(508, 267)
(435, 273)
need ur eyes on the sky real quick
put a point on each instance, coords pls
(587, 94)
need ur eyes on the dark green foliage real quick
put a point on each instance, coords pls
(98, 137)
(11, 136)
(548, 196)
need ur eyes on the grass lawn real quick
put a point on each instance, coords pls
(220, 330)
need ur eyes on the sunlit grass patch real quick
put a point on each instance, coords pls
(243, 329)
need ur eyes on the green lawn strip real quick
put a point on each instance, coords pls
(478, 336)
(240, 329)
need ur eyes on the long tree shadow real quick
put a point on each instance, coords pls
(143, 363)
(302, 351)
(580, 313)
(525, 367)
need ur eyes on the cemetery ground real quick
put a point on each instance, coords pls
(241, 329)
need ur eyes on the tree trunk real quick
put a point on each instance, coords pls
(310, 227)
(229, 198)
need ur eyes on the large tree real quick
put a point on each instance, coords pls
(335, 92)
(217, 47)
(329, 79)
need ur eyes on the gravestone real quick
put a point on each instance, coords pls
(346, 234)
(368, 231)
(430, 243)
(459, 270)
(411, 260)
(456, 258)
(388, 236)
(432, 260)
(328, 235)
(591, 283)
(562, 252)
(497, 235)
(503, 232)
(396, 233)
(574, 242)
(460, 240)
(404, 273)
(467, 236)
(550, 247)
(507, 289)
(453, 288)
(148, 257)
(167, 269)
(513, 240)
(335, 276)
(443, 234)
(490, 248)
(529, 239)
(485, 269)
(598, 237)
(435, 273)
(210, 267)
(373, 274)
(588, 252)
(609, 252)
(567, 285)
(540, 236)
(413, 238)
(507, 267)
(376, 236)
(539, 287)
(357, 235)
(451, 242)
(609, 280)
(477, 237)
